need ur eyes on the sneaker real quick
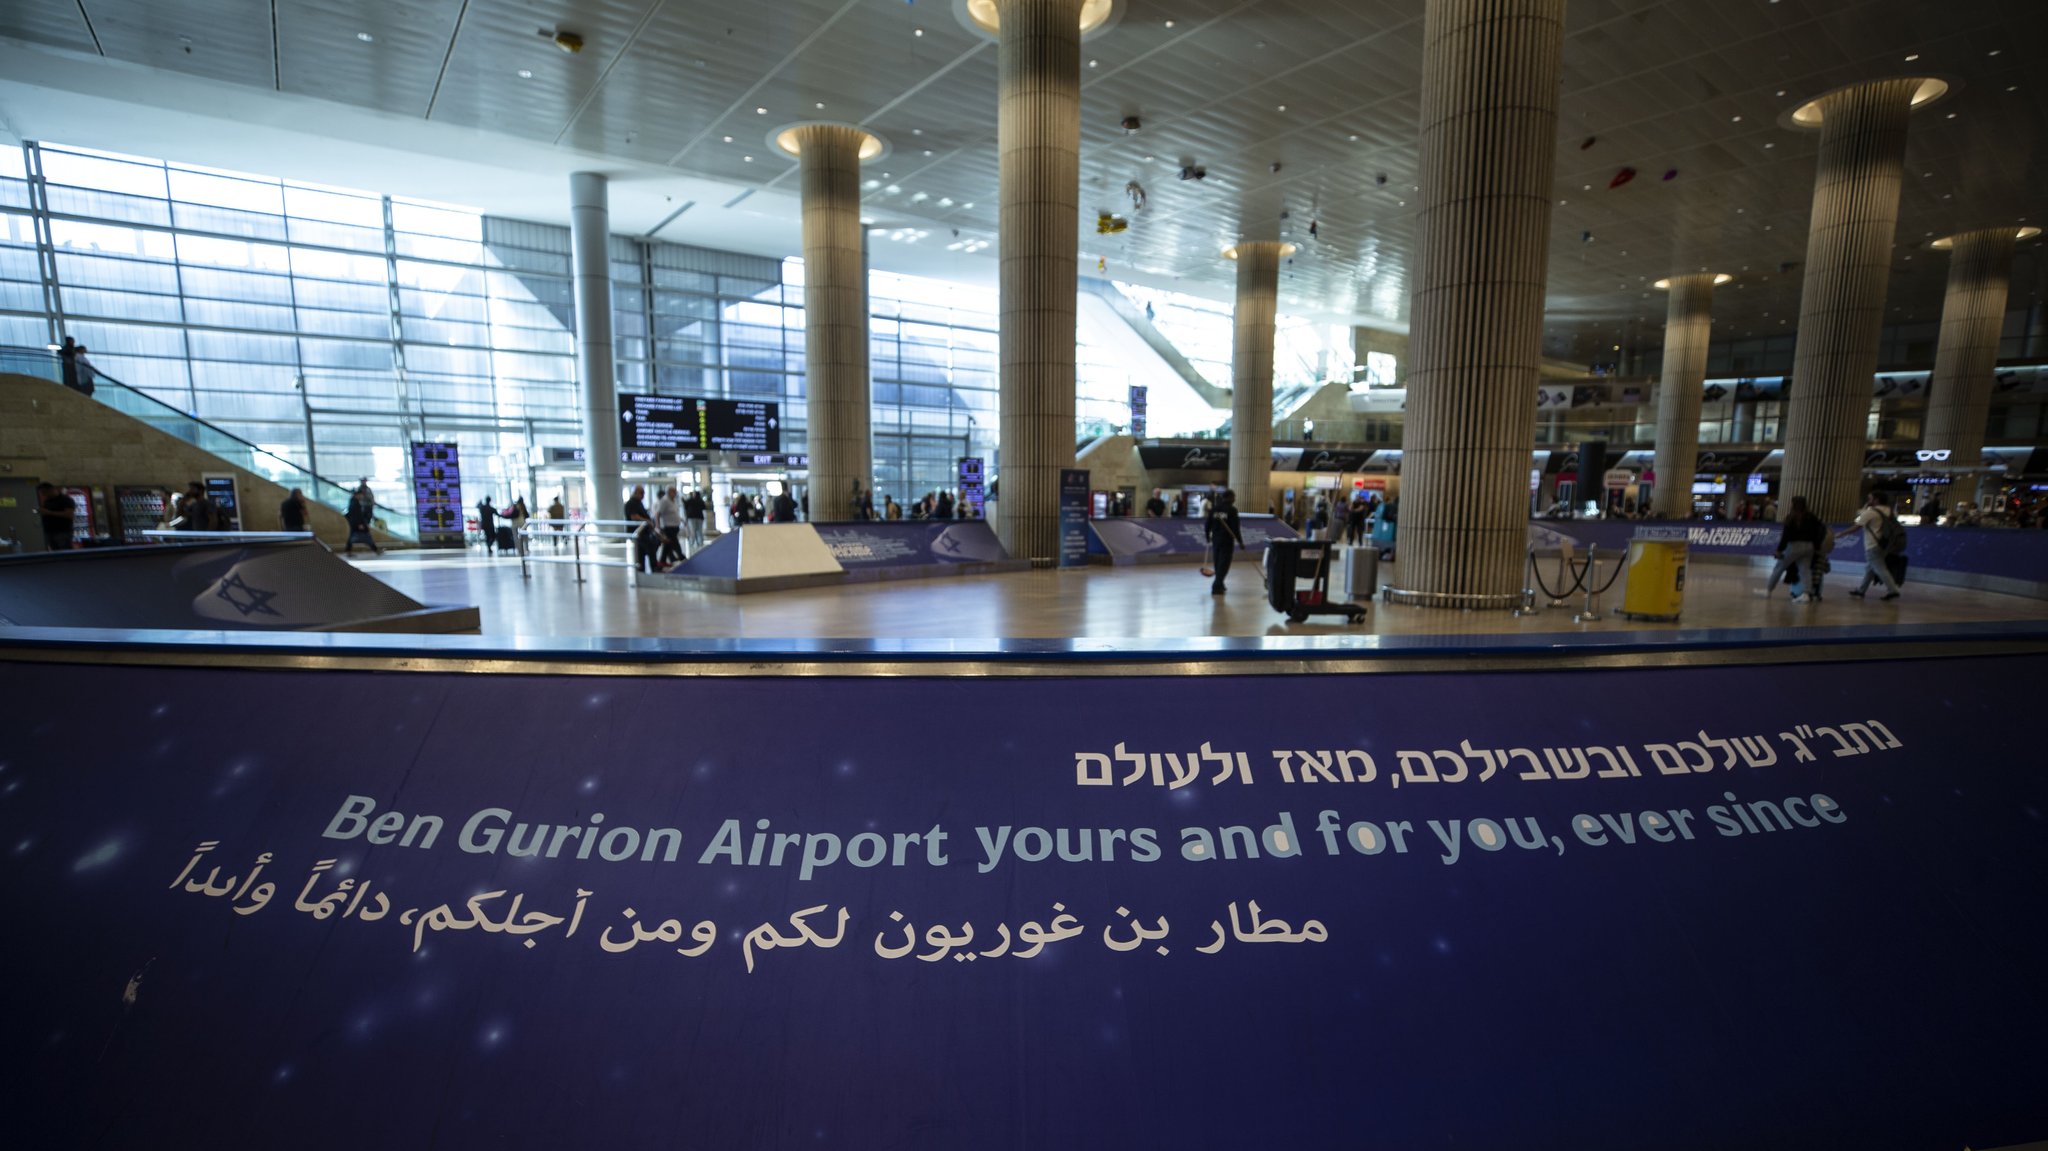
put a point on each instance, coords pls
(1858, 594)
(1891, 595)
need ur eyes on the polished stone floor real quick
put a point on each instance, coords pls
(1165, 601)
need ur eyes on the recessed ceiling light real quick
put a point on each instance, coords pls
(1770, 145)
(2012, 87)
(820, 105)
(917, 131)
(1169, 23)
(917, 31)
(1093, 63)
(968, 204)
(1354, 137)
(760, 111)
(728, 139)
(748, 159)
(927, 151)
(1280, 107)
(526, 73)
(1735, 119)
(1781, 91)
(1951, 115)
(1994, 52)
(365, 37)
(1587, 188)
(1913, 57)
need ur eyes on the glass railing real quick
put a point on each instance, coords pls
(204, 436)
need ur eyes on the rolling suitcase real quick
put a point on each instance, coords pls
(508, 540)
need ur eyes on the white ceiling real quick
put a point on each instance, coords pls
(433, 105)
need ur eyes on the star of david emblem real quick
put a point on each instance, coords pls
(245, 599)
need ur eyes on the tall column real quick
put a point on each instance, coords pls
(1251, 371)
(1972, 319)
(835, 315)
(597, 389)
(1688, 323)
(1841, 301)
(1038, 138)
(1489, 133)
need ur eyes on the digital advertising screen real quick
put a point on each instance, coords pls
(437, 494)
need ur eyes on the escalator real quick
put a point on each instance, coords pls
(225, 446)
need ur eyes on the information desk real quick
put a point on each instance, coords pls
(352, 892)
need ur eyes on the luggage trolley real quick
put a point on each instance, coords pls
(1291, 562)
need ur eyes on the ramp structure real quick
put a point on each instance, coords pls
(295, 585)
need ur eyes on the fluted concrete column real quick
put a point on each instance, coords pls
(597, 389)
(1972, 319)
(1251, 371)
(836, 395)
(1489, 132)
(1688, 323)
(1038, 138)
(1841, 301)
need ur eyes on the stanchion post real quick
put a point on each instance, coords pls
(1587, 579)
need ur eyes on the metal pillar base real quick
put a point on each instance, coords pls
(1503, 601)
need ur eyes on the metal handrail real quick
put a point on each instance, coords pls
(175, 534)
(576, 531)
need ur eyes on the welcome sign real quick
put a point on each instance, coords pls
(366, 910)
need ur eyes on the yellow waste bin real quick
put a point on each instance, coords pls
(1656, 574)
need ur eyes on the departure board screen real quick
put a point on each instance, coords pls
(666, 423)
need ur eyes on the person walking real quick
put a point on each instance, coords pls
(668, 520)
(1799, 545)
(1220, 528)
(291, 514)
(891, 510)
(515, 518)
(557, 520)
(693, 519)
(362, 510)
(784, 508)
(195, 511)
(67, 358)
(1156, 506)
(487, 520)
(58, 511)
(1880, 529)
(645, 538)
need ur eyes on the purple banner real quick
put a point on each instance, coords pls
(352, 909)
(910, 543)
(1166, 535)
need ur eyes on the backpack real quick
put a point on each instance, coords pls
(1891, 536)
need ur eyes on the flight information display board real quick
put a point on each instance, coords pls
(665, 423)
